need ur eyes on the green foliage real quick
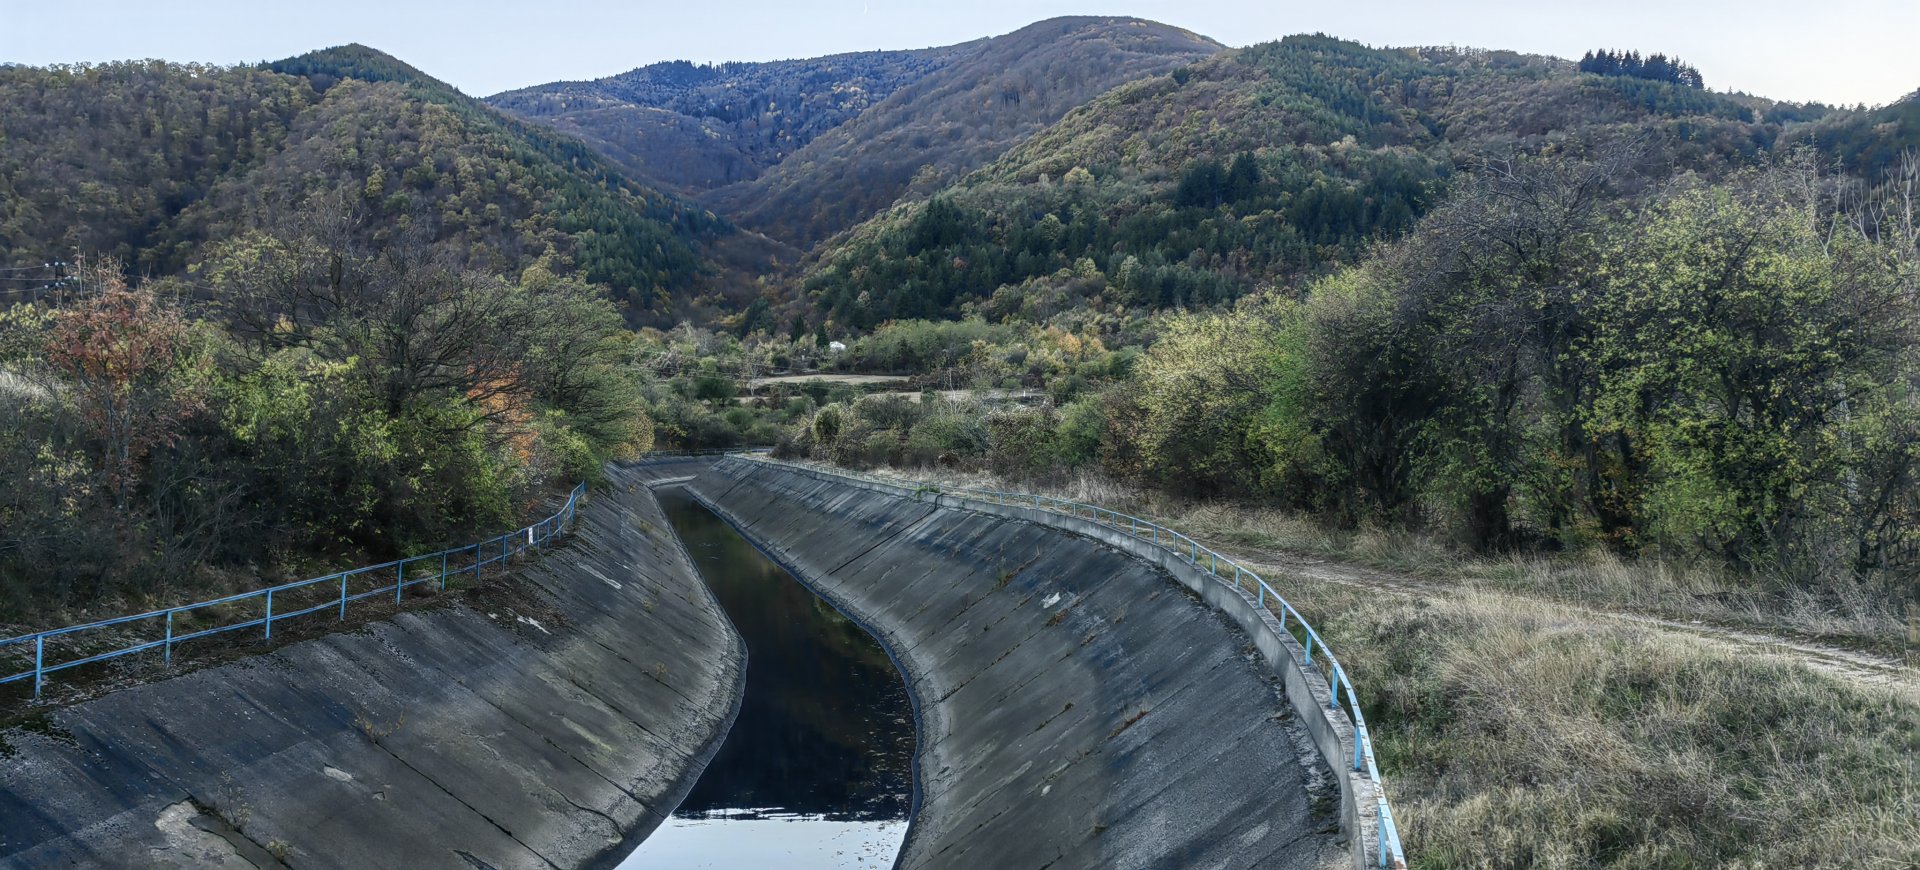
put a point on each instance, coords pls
(1198, 394)
(1221, 231)
(1869, 144)
(1718, 370)
(352, 405)
(924, 345)
(945, 434)
(1740, 340)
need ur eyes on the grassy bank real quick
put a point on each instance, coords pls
(1515, 736)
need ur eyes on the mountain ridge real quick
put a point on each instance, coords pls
(1258, 166)
(888, 122)
(693, 127)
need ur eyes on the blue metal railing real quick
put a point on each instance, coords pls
(472, 558)
(1204, 558)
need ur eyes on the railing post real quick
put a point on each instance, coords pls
(269, 614)
(399, 580)
(168, 656)
(443, 570)
(476, 563)
(1263, 595)
(343, 598)
(39, 664)
(1333, 691)
(1215, 568)
(1359, 740)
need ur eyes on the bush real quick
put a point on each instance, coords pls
(944, 437)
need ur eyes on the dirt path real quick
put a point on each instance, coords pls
(1853, 665)
(830, 378)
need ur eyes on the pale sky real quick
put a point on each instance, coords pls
(1834, 51)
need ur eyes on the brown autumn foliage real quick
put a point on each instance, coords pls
(119, 353)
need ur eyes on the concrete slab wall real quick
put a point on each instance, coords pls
(549, 721)
(1078, 706)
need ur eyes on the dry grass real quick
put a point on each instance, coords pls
(1843, 612)
(1515, 735)
(1515, 731)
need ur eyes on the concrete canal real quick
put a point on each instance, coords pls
(816, 771)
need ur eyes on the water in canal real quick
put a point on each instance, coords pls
(817, 770)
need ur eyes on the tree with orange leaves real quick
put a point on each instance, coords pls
(119, 355)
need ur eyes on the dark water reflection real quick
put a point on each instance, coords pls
(825, 731)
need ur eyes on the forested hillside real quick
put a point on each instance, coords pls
(1257, 166)
(952, 120)
(1868, 144)
(172, 156)
(314, 312)
(696, 127)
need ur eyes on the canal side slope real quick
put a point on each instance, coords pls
(551, 720)
(1078, 707)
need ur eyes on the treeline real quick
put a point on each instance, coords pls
(1721, 371)
(1655, 67)
(1223, 229)
(338, 401)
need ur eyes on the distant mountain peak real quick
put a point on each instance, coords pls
(356, 61)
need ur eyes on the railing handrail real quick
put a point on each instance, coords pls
(1390, 851)
(535, 535)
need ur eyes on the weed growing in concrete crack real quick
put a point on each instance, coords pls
(1129, 723)
(371, 728)
(232, 807)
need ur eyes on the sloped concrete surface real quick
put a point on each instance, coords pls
(550, 722)
(1078, 708)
